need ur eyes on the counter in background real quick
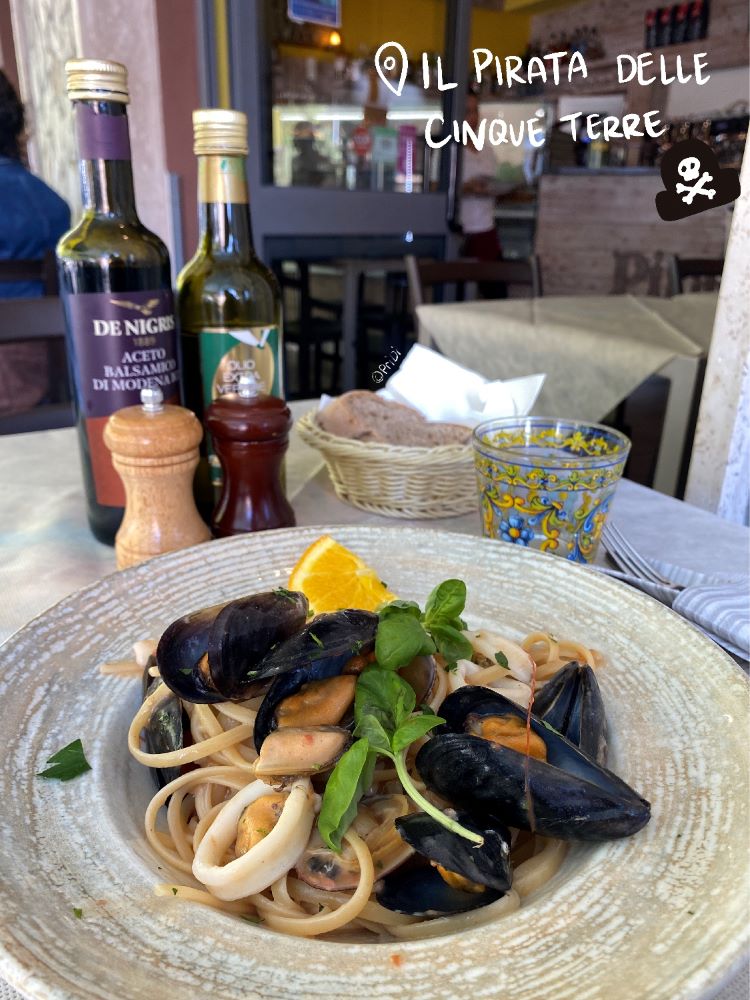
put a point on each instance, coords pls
(598, 233)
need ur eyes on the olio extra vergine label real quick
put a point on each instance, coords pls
(225, 354)
(121, 343)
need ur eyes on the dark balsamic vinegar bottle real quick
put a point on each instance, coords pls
(115, 282)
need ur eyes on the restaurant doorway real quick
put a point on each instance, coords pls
(342, 181)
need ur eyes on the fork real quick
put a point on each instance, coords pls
(629, 560)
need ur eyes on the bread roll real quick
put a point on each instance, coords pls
(364, 416)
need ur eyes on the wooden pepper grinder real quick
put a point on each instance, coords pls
(155, 450)
(250, 433)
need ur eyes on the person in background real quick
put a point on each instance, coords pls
(477, 205)
(32, 219)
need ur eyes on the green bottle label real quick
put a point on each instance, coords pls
(225, 354)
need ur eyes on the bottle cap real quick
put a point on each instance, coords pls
(96, 80)
(219, 132)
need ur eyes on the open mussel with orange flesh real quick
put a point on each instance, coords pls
(571, 703)
(423, 892)
(163, 732)
(315, 672)
(555, 790)
(487, 864)
(212, 655)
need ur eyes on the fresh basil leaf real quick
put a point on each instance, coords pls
(446, 602)
(384, 695)
(370, 729)
(413, 729)
(426, 710)
(502, 659)
(67, 763)
(405, 701)
(451, 644)
(396, 607)
(400, 637)
(348, 782)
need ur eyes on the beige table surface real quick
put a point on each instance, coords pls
(595, 349)
(47, 551)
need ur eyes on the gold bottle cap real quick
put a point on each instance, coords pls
(219, 132)
(97, 80)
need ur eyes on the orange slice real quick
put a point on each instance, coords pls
(332, 577)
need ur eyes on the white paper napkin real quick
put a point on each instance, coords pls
(443, 391)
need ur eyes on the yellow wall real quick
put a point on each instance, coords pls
(419, 25)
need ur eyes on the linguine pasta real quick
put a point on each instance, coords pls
(192, 822)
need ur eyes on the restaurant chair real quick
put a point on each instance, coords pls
(315, 331)
(429, 274)
(42, 270)
(37, 326)
(389, 319)
(704, 272)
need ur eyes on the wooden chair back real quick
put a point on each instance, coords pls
(424, 274)
(32, 336)
(705, 273)
(43, 270)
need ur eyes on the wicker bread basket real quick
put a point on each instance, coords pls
(393, 480)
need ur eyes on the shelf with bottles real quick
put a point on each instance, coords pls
(677, 24)
(725, 134)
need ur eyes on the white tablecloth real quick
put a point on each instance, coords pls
(47, 552)
(595, 350)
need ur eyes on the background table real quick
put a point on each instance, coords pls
(47, 551)
(595, 351)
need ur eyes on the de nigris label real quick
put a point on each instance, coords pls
(122, 342)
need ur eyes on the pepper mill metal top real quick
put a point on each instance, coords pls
(152, 400)
(247, 386)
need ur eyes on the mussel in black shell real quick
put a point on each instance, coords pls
(423, 892)
(559, 792)
(487, 864)
(572, 704)
(212, 655)
(163, 733)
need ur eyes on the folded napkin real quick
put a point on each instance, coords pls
(718, 603)
(443, 391)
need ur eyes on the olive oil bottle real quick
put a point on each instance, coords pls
(116, 287)
(229, 302)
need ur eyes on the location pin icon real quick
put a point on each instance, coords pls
(385, 64)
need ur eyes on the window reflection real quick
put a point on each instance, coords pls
(335, 123)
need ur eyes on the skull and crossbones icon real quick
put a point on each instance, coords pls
(689, 169)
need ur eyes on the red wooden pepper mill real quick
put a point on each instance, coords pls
(250, 432)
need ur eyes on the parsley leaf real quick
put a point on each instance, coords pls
(67, 763)
(78, 912)
(287, 595)
(502, 659)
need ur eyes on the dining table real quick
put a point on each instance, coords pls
(47, 551)
(595, 351)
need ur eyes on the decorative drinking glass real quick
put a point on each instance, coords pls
(547, 483)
